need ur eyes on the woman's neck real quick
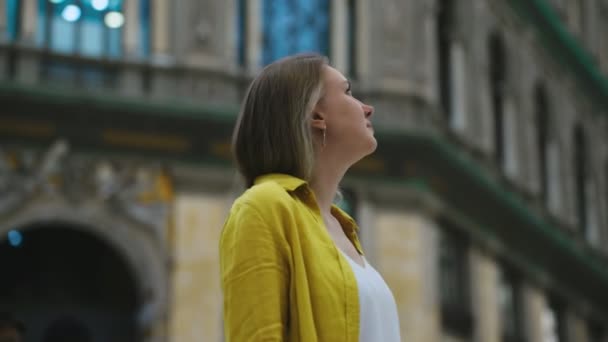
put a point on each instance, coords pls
(326, 177)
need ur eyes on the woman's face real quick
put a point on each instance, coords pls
(346, 120)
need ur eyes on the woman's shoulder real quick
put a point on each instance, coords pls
(268, 198)
(262, 209)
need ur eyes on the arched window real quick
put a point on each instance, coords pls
(497, 84)
(580, 173)
(295, 26)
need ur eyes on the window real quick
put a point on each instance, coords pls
(444, 29)
(595, 332)
(509, 306)
(145, 13)
(606, 200)
(13, 13)
(89, 28)
(580, 173)
(497, 84)
(553, 323)
(549, 167)
(351, 29)
(86, 27)
(542, 137)
(456, 308)
(241, 32)
(294, 26)
(603, 24)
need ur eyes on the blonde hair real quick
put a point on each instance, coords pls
(272, 133)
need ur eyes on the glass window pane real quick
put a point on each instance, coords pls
(144, 25)
(507, 301)
(115, 43)
(550, 326)
(62, 35)
(92, 33)
(13, 15)
(295, 26)
(81, 27)
(452, 268)
(596, 332)
(41, 22)
(553, 324)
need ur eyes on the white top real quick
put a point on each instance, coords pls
(379, 320)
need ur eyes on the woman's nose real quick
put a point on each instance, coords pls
(367, 109)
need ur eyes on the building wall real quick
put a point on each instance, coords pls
(196, 305)
(193, 59)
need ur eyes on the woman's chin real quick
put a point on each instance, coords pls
(373, 145)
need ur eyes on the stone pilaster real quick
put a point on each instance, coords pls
(196, 305)
(405, 246)
(485, 295)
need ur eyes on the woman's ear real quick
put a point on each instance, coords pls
(318, 119)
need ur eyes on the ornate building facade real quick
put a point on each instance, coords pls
(485, 207)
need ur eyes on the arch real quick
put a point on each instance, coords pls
(144, 257)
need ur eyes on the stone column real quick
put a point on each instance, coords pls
(131, 30)
(29, 24)
(3, 23)
(484, 276)
(339, 34)
(160, 26)
(406, 253)
(363, 37)
(196, 304)
(255, 35)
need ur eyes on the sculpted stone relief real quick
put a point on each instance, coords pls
(142, 193)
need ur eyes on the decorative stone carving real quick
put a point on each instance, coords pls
(142, 193)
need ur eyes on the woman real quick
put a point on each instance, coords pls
(292, 267)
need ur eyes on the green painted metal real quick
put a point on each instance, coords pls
(68, 96)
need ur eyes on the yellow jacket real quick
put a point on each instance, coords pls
(283, 278)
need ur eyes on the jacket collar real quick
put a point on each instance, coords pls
(291, 183)
(288, 182)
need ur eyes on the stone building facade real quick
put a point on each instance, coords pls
(485, 207)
